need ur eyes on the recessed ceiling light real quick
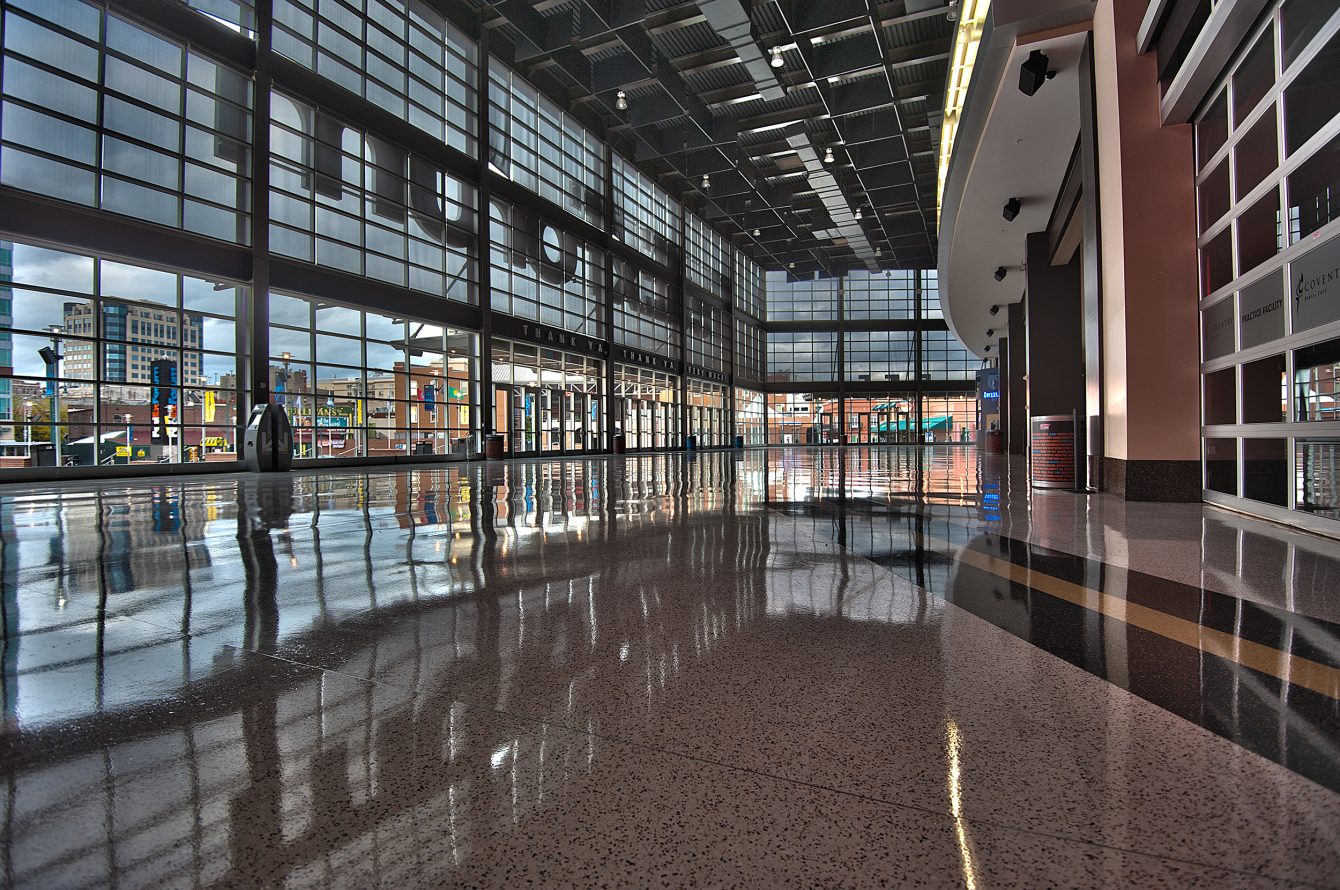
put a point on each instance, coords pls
(777, 60)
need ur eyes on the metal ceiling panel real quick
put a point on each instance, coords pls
(860, 78)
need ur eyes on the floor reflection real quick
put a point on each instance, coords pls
(219, 680)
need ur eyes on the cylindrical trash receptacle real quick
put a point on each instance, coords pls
(493, 447)
(995, 442)
(739, 441)
(618, 444)
(690, 443)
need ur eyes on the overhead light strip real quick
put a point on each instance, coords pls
(971, 23)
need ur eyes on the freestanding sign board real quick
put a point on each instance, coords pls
(1051, 453)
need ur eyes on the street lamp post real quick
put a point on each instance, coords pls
(51, 356)
(283, 376)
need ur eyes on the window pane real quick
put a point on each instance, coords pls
(1221, 397)
(1212, 130)
(1311, 100)
(1254, 77)
(1263, 391)
(1314, 192)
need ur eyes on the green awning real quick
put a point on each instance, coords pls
(927, 423)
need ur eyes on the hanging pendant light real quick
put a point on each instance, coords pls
(621, 101)
(755, 233)
(828, 155)
(858, 213)
(707, 182)
(777, 60)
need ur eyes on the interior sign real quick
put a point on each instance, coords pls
(1315, 281)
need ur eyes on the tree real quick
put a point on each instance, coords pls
(41, 411)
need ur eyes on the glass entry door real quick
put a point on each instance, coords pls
(551, 419)
(865, 431)
(645, 425)
(662, 425)
(574, 421)
(591, 428)
(525, 425)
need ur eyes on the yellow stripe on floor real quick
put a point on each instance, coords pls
(1291, 668)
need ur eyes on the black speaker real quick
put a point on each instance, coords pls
(1033, 73)
(1011, 209)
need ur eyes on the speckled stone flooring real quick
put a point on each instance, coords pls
(770, 668)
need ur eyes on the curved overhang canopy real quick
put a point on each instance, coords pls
(1007, 145)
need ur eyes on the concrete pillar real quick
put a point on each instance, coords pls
(1016, 425)
(1055, 309)
(1151, 372)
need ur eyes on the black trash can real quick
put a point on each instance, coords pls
(690, 443)
(739, 441)
(618, 444)
(493, 447)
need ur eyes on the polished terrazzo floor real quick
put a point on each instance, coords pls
(800, 667)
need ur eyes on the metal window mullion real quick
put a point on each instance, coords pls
(258, 387)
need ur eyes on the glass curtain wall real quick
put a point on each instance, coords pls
(1268, 159)
(358, 383)
(359, 204)
(750, 363)
(647, 408)
(803, 418)
(707, 258)
(115, 116)
(708, 419)
(802, 356)
(646, 218)
(880, 341)
(112, 364)
(882, 419)
(547, 400)
(119, 116)
(949, 418)
(750, 412)
(708, 340)
(542, 148)
(646, 313)
(403, 57)
(540, 272)
(814, 299)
